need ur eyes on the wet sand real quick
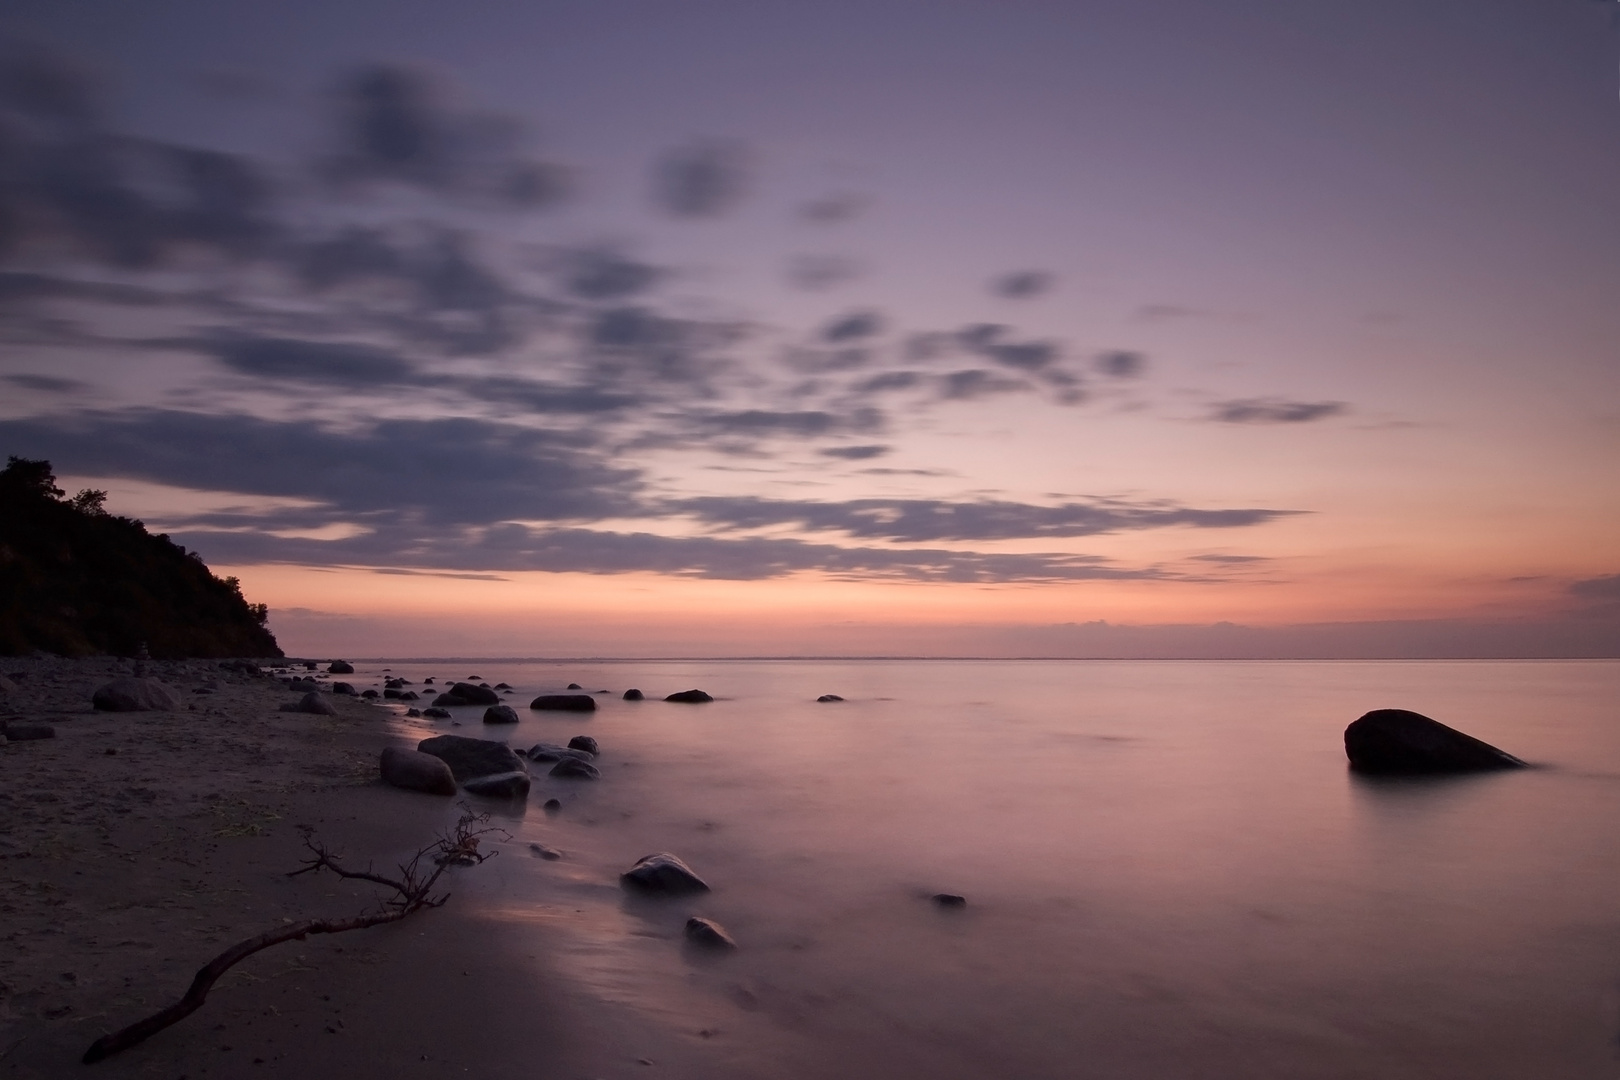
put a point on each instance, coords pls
(136, 846)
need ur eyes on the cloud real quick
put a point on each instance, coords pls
(411, 474)
(853, 327)
(816, 272)
(888, 381)
(603, 273)
(46, 384)
(831, 209)
(928, 520)
(311, 361)
(72, 186)
(975, 383)
(1275, 411)
(854, 453)
(1022, 284)
(1606, 588)
(512, 548)
(1121, 364)
(988, 340)
(705, 179)
(806, 424)
(396, 125)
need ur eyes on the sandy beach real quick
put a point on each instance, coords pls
(136, 846)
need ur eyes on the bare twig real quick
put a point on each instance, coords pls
(413, 891)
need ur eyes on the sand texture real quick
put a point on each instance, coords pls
(136, 846)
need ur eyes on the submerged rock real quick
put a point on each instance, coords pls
(544, 852)
(135, 695)
(564, 703)
(344, 688)
(708, 933)
(500, 714)
(572, 767)
(633, 695)
(340, 667)
(691, 697)
(551, 806)
(506, 785)
(541, 751)
(433, 712)
(472, 758)
(829, 697)
(948, 899)
(416, 771)
(572, 686)
(662, 873)
(1398, 741)
(585, 743)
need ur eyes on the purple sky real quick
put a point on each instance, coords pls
(1019, 329)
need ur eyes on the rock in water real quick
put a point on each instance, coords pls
(947, 899)
(708, 933)
(691, 697)
(471, 758)
(344, 688)
(470, 695)
(633, 695)
(500, 714)
(564, 703)
(573, 686)
(550, 752)
(135, 695)
(1398, 741)
(416, 771)
(340, 667)
(829, 697)
(506, 785)
(585, 743)
(573, 767)
(662, 873)
(433, 713)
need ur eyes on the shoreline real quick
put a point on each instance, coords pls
(137, 846)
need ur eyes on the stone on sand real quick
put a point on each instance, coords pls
(135, 695)
(416, 771)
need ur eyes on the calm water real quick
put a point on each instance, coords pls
(1169, 871)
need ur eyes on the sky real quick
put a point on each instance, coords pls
(662, 328)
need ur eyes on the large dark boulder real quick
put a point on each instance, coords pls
(585, 743)
(691, 697)
(135, 695)
(564, 703)
(340, 667)
(416, 771)
(1397, 741)
(311, 702)
(471, 758)
(664, 874)
(500, 714)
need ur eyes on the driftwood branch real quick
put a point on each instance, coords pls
(412, 891)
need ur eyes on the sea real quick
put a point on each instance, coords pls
(1169, 871)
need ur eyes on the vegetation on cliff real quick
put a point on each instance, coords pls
(76, 581)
